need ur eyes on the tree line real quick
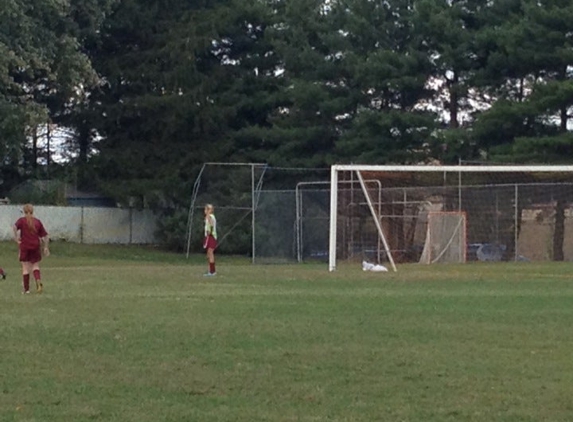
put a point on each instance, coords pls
(139, 93)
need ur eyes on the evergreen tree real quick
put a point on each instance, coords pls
(530, 119)
(303, 125)
(453, 36)
(40, 60)
(388, 70)
(146, 110)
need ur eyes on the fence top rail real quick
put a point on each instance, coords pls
(455, 169)
(482, 186)
(234, 164)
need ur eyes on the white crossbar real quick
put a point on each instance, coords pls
(453, 169)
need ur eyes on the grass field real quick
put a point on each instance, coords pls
(132, 334)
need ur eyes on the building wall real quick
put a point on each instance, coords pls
(86, 224)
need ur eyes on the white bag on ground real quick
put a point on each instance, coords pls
(366, 266)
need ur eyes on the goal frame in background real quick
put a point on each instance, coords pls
(460, 170)
(463, 234)
(255, 189)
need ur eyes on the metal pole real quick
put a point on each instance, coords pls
(350, 246)
(192, 209)
(301, 228)
(82, 229)
(515, 222)
(496, 218)
(298, 201)
(379, 216)
(130, 225)
(460, 187)
(253, 204)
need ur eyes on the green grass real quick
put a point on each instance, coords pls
(133, 334)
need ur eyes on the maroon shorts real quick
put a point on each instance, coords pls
(210, 242)
(30, 255)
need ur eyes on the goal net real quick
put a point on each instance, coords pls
(444, 214)
(445, 238)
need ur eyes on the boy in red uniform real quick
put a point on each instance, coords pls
(29, 233)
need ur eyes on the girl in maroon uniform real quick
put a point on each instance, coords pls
(29, 233)
(210, 242)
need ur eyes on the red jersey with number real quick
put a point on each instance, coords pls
(30, 238)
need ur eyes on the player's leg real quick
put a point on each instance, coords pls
(34, 258)
(2, 273)
(26, 267)
(211, 257)
(23, 258)
(37, 277)
(210, 245)
(209, 253)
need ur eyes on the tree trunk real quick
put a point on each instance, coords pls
(83, 143)
(509, 254)
(454, 101)
(563, 117)
(35, 149)
(559, 231)
(48, 139)
(564, 108)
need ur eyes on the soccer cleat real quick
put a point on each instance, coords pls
(26, 292)
(39, 287)
(210, 274)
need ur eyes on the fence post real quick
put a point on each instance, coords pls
(130, 225)
(82, 225)
(516, 222)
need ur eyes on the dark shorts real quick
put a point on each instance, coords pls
(30, 255)
(210, 243)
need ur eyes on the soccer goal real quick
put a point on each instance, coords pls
(451, 214)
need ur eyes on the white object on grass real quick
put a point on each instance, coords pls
(367, 266)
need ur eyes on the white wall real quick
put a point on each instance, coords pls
(86, 224)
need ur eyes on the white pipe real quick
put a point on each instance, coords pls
(376, 220)
(456, 169)
(333, 216)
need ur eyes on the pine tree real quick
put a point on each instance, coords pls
(453, 37)
(388, 72)
(530, 120)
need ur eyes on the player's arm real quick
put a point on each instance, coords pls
(206, 233)
(46, 242)
(44, 239)
(16, 234)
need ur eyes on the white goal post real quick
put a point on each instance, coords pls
(522, 193)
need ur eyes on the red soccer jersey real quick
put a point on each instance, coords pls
(30, 238)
